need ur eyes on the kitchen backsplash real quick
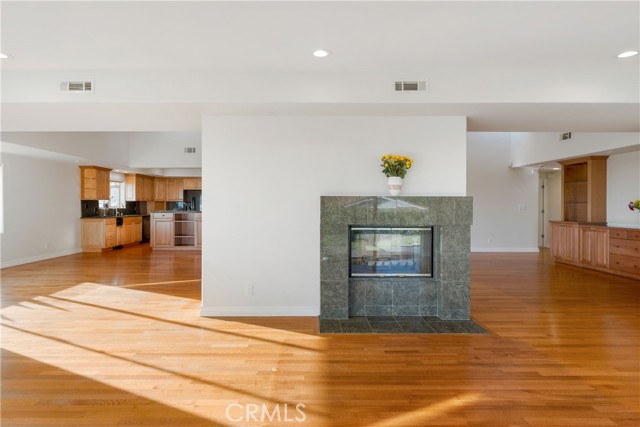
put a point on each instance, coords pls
(90, 208)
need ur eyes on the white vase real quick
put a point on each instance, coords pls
(395, 185)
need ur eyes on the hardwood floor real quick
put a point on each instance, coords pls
(116, 340)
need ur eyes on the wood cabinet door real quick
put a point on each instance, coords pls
(160, 189)
(110, 235)
(586, 245)
(175, 187)
(162, 235)
(130, 188)
(172, 186)
(556, 240)
(198, 233)
(189, 184)
(601, 247)
(137, 232)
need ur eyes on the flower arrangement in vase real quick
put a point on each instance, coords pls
(395, 168)
(635, 205)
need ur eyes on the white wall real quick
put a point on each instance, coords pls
(623, 186)
(41, 209)
(98, 147)
(266, 176)
(164, 149)
(505, 200)
(531, 148)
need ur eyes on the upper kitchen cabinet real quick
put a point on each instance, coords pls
(193, 183)
(584, 189)
(94, 183)
(160, 189)
(139, 188)
(175, 188)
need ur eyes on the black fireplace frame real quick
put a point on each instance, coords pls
(393, 276)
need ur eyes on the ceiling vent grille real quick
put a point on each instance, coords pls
(76, 86)
(190, 150)
(411, 86)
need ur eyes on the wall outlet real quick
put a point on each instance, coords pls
(248, 291)
(46, 245)
(489, 240)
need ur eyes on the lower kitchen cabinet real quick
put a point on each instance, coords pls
(100, 234)
(199, 230)
(176, 230)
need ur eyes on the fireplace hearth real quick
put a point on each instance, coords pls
(378, 258)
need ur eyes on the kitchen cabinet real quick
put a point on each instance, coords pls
(130, 231)
(176, 230)
(160, 189)
(138, 188)
(198, 218)
(94, 183)
(192, 183)
(162, 226)
(624, 252)
(594, 246)
(124, 235)
(609, 249)
(175, 188)
(565, 241)
(584, 190)
(98, 234)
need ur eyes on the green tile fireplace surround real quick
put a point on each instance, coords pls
(446, 294)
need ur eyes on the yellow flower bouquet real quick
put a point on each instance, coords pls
(635, 205)
(394, 165)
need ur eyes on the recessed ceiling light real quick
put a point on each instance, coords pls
(628, 53)
(556, 169)
(3, 56)
(321, 53)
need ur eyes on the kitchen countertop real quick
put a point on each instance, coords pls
(176, 211)
(111, 216)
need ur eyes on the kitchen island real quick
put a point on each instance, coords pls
(176, 230)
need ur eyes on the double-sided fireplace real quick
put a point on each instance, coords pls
(390, 251)
(400, 256)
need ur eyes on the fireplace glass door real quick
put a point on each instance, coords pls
(391, 251)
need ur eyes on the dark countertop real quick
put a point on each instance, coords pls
(111, 216)
(176, 211)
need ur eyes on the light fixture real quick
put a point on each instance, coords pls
(3, 56)
(321, 53)
(556, 169)
(628, 54)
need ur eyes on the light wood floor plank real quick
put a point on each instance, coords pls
(115, 339)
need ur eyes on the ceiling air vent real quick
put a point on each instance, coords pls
(76, 86)
(411, 86)
(190, 150)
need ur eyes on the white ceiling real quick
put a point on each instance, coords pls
(523, 66)
(281, 35)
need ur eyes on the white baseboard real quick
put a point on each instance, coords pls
(259, 311)
(495, 249)
(43, 257)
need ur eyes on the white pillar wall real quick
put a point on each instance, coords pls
(264, 176)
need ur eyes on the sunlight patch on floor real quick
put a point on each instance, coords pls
(421, 416)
